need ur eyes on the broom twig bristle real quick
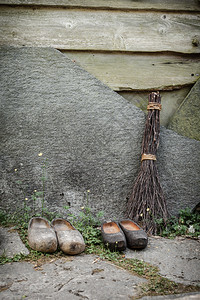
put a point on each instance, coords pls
(147, 202)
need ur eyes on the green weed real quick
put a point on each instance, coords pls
(17, 257)
(187, 223)
(88, 224)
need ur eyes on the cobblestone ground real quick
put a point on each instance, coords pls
(87, 277)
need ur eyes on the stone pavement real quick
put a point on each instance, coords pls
(178, 259)
(68, 278)
(88, 277)
(10, 243)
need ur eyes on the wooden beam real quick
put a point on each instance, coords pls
(126, 72)
(168, 5)
(81, 29)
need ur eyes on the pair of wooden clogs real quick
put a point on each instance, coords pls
(126, 233)
(46, 237)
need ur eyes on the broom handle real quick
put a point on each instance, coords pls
(152, 127)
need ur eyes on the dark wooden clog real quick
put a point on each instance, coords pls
(113, 236)
(136, 237)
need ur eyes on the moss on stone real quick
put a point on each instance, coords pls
(186, 119)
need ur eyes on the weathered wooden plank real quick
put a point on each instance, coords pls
(77, 29)
(171, 100)
(180, 5)
(139, 71)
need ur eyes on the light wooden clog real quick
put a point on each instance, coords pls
(41, 236)
(70, 240)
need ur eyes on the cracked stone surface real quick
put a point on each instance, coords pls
(178, 259)
(87, 277)
(80, 277)
(10, 243)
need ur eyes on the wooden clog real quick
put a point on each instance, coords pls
(113, 236)
(136, 237)
(41, 236)
(70, 240)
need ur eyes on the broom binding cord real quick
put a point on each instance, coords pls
(151, 106)
(148, 157)
(154, 105)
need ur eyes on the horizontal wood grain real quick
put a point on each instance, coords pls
(126, 72)
(191, 5)
(100, 30)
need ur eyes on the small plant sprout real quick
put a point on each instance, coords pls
(37, 198)
(34, 198)
(87, 197)
(25, 205)
(44, 179)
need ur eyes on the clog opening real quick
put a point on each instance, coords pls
(39, 223)
(129, 225)
(61, 224)
(111, 227)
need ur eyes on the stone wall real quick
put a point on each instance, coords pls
(186, 120)
(90, 136)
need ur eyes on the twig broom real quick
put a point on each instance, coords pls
(147, 202)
